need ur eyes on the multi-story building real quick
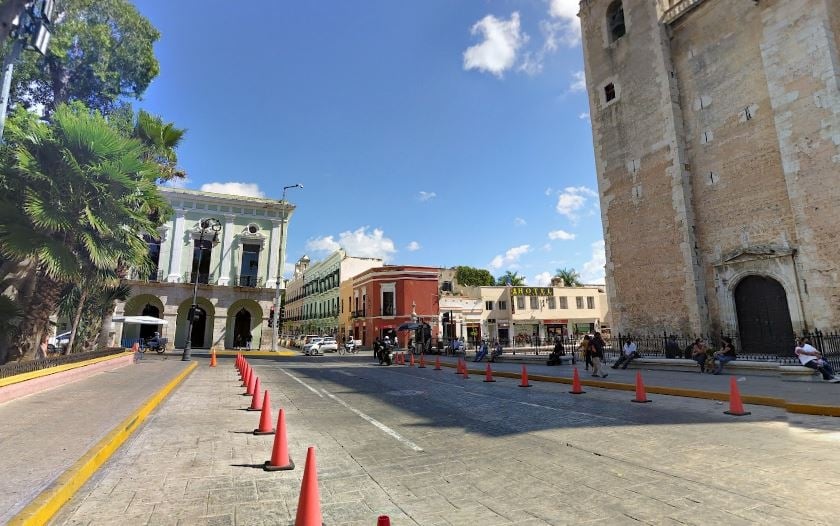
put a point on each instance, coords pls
(386, 297)
(236, 270)
(715, 126)
(313, 301)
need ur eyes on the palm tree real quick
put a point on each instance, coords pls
(80, 194)
(161, 140)
(512, 279)
(569, 276)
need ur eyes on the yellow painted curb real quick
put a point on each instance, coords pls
(248, 354)
(770, 401)
(47, 504)
(57, 369)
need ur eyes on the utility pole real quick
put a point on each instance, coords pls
(275, 326)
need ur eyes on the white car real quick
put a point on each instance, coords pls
(328, 345)
(312, 346)
(58, 343)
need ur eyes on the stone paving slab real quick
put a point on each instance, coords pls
(43, 434)
(491, 454)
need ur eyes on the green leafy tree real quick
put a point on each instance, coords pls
(473, 277)
(569, 276)
(512, 279)
(100, 51)
(80, 195)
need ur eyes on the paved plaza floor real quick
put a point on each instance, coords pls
(429, 447)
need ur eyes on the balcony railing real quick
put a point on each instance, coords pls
(202, 278)
(247, 281)
(149, 277)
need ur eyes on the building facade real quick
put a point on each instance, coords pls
(386, 297)
(716, 128)
(236, 270)
(314, 300)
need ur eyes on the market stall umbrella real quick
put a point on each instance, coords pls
(409, 326)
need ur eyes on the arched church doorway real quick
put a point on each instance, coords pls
(147, 331)
(198, 328)
(242, 329)
(764, 322)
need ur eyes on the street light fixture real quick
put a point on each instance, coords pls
(206, 224)
(275, 327)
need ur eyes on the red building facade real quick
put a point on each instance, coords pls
(385, 297)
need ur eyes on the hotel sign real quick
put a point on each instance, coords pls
(531, 291)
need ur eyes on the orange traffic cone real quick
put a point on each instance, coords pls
(437, 363)
(524, 382)
(236, 362)
(256, 403)
(213, 358)
(246, 375)
(265, 417)
(736, 408)
(465, 372)
(641, 395)
(411, 359)
(458, 367)
(252, 382)
(576, 388)
(422, 363)
(309, 503)
(280, 459)
(488, 374)
(383, 520)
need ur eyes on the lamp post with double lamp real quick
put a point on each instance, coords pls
(206, 224)
(275, 327)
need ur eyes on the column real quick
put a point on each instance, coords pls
(177, 248)
(227, 251)
(274, 271)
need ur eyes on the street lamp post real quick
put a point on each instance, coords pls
(275, 328)
(214, 225)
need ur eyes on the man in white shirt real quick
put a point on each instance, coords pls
(628, 354)
(810, 357)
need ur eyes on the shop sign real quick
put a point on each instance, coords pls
(531, 291)
(555, 322)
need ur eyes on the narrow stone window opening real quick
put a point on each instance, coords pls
(747, 113)
(615, 21)
(609, 92)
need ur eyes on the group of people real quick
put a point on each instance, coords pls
(592, 348)
(713, 364)
(481, 353)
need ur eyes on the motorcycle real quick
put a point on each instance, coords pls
(383, 353)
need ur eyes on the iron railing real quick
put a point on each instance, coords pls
(16, 368)
(203, 278)
(247, 281)
(828, 343)
(149, 277)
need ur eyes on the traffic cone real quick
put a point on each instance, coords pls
(256, 403)
(641, 395)
(309, 503)
(422, 363)
(576, 389)
(213, 358)
(280, 459)
(736, 408)
(465, 372)
(437, 363)
(265, 417)
(524, 382)
(411, 359)
(488, 374)
(236, 362)
(458, 367)
(246, 375)
(383, 520)
(252, 382)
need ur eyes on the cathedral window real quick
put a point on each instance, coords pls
(615, 20)
(609, 92)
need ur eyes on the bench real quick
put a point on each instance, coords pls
(532, 358)
(796, 373)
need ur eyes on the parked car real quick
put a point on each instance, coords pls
(302, 340)
(312, 345)
(58, 343)
(328, 345)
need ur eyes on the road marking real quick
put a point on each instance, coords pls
(387, 430)
(301, 382)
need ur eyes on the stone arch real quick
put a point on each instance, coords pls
(616, 27)
(136, 306)
(762, 304)
(182, 322)
(256, 313)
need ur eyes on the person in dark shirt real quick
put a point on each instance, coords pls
(725, 355)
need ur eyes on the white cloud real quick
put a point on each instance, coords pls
(542, 279)
(593, 270)
(574, 198)
(359, 243)
(584, 116)
(560, 234)
(413, 246)
(564, 25)
(510, 258)
(519, 222)
(232, 188)
(425, 196)
(177, 182)
(578, 82)
(502, 40)
(547, 247)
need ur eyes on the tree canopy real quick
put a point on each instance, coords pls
(473, 277)
(569, 276)
(512, 279)
(100, 52)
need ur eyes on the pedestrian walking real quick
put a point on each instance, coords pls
(810, 357)
(585, 348)
(597, 355)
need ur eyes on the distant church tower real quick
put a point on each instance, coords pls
(716, 126)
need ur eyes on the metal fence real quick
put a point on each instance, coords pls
(16, 368)
(828, 343)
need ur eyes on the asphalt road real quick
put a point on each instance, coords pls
(429, 447)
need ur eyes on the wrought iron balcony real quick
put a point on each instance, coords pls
(247, 281)
(202, 278)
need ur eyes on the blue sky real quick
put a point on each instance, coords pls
(429, 132)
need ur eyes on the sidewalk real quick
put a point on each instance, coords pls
(44, 434)
(812, 393)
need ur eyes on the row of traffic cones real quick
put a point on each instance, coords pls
(309, 501)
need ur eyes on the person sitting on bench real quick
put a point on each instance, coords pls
(628, 354)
